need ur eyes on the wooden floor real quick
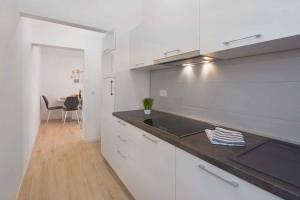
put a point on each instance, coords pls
(64, 167)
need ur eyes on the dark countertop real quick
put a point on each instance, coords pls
(220, 156)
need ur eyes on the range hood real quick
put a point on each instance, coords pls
(187, 59)
(192, 58)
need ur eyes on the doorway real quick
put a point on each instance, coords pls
(61, 80)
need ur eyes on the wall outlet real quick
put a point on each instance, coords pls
(163, 93)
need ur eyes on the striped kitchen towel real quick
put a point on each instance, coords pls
(225, 137)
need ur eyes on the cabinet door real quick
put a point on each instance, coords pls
(109, 41)
(231, 23)
(197, 180)
(107, 64)
(173, 26)
(107, 143)
(114, 150)
(156, 169)
(108, 101)
(137, 48)
(194, 183)
(142, 51)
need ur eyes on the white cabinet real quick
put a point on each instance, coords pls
(113, 148)
(194, 183)
(107, 64)
(108, 98)
(197, 179)
(107, 142)
(143, 162)
(109, 42)
(168, 28)
(229, 24)
(155, 160)
(142, 51)
(108, 46)
(173, 26)
(154, 169)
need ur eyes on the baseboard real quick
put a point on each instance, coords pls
(92, 139)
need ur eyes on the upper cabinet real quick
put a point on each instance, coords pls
(220, 29)
(172, 26)
(142, 51)
(107, 64)
(109, 42)
(231, 24)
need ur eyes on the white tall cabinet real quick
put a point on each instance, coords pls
(108, 97)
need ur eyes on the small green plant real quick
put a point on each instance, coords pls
(148, 102)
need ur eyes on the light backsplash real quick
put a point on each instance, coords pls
(259, 94)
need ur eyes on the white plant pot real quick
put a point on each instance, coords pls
(147, 112)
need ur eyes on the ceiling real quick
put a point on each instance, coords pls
(100, 14)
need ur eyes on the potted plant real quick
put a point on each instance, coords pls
(148, 102)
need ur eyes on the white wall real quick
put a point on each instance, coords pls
(259, 94)
(33, 95)
(12, 45)
(56, 65)
(50, 34)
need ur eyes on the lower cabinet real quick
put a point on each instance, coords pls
(199, 180)
(143, 162)
(153, 169)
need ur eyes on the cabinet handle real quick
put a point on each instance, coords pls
(150, 139)
(252, 36)
(230, 182)
(121, 123)
(107, 51)
(121, 139)
(119, 152)
(139, 64)
(173, 51)
(111, 87)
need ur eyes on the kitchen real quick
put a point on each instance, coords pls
(228, 64)
(182, 100)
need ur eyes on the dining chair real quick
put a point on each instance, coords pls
(71, 104)
(51, 108)
(80, 107)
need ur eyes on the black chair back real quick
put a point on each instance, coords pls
(71, 103)
(46, 101)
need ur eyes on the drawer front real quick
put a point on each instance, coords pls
(197, 179)
(194, 183)
(114, 150)
(125, 137)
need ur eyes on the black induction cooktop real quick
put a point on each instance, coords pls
(178, 126)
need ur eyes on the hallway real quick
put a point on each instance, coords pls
(63, 167)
